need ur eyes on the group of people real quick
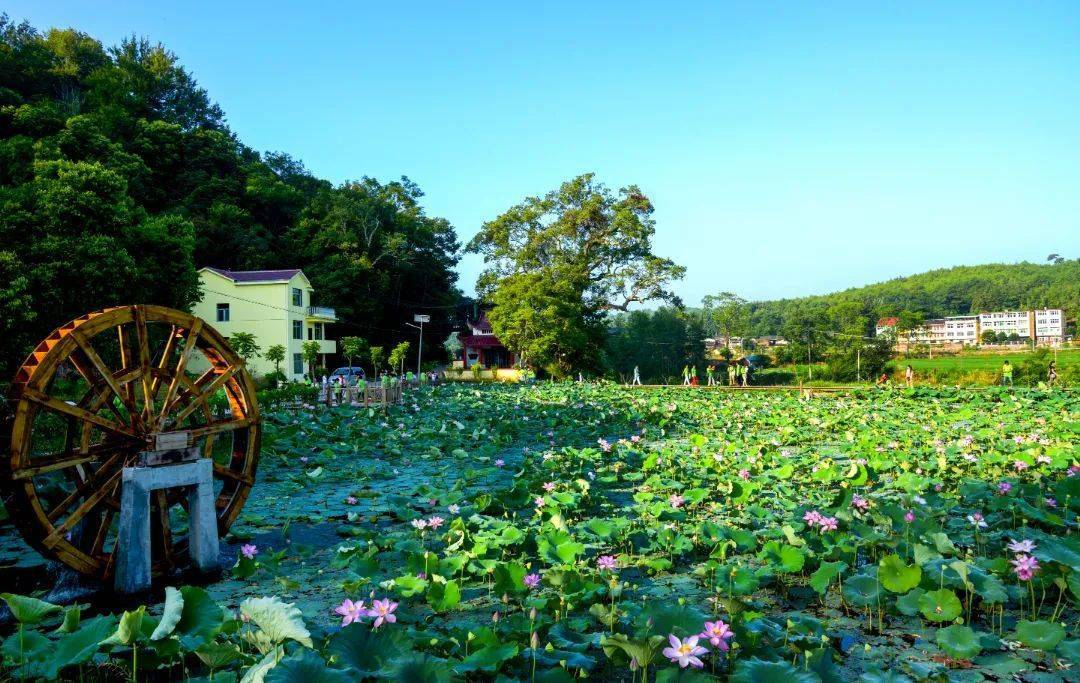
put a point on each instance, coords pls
(1006, 375)
(738, 373)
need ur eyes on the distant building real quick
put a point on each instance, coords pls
(273, 305)
(1050, 325)
(886, 325)
(480, 346)
(771, 340)
(1044, 327)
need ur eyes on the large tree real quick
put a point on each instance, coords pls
(578, 252)
(726, 314)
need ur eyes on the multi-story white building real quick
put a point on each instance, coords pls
(1050, 325)
(1005, 323)
(1045, 327)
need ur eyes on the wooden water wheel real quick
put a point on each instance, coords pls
(99, 394)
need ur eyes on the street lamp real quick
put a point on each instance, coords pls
(419, 318)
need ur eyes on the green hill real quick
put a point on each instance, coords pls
(947, 291)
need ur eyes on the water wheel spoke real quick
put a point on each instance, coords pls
(163, 362)
(222, 472)
(99, 391)
(78, 513)
(219, 427)
(97, 480)
(70, 458)
(102, 533)
(178, 373)
(203, 396)
(125, 362)
(92, 356)
(65, 408)
(144, 363)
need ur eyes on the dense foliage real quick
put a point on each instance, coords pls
(558, 264)
(119, 177)
(949, 291)
(564, 529)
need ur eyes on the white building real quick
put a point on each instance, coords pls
(1006, 323)
(1050, 325)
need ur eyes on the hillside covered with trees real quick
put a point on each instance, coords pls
(119, 177)
(936, 293)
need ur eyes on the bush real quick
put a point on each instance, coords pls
(288, 392)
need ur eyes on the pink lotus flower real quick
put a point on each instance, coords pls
(350, 611)
(827, 524)
(685, 652)
(604, 445)
(1073, 470)
(635, 438)
(1020, 465)
(860, 502)
(717, 633)
(745, 474)
(383, 611)
(605, 562)
(811, 517)
(1025, 567)
(249, 551)
(1050, 502)
(909, 517)
(531, 580)
(351, 500)
(499, 462)
(549, 486)
(539, 501)
(1004, 487)
(676, 500)
(1024, 546)
(419, 524)
(434, 522)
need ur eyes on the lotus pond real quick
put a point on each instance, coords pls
(564, 531)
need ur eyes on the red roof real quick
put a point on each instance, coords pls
(888, 322)
(479, 341)
(257, 275)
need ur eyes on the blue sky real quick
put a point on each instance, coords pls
(789, 148)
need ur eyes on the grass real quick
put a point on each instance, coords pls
(985, 361)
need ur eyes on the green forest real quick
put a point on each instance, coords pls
(936, 293)
(119, 177)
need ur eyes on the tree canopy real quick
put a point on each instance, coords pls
(557, 264)
(119, 177)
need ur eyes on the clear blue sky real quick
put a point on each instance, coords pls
(829, 144)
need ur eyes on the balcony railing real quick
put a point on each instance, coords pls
(321, 312)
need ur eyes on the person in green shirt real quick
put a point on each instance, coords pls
(686, 375)
(1007, 373)
(710, 374)
(732, 373)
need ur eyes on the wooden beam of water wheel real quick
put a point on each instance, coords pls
(97, 394)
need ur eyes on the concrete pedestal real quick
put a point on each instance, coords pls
(133, 562)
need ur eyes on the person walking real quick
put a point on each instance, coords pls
(693, 376)
(1051, 373)
(1007, 373)
(909, 375)
(710, 374)
(686, 375)
(745, 373)
(732, 373)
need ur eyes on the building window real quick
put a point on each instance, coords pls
(297, 329)
(298, 364)
(319, 331)
(297, 297)
(310, 334)
(223, 313)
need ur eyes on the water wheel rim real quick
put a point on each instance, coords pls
(109, 406)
